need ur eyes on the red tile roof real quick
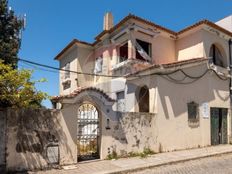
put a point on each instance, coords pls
(74, 41)
(80, 90)
(206, 22)
(130, 16)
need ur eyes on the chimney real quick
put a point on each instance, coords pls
(108, 21)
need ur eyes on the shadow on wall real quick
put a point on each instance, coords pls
(175, 103)
(119, 132)
(35, 137)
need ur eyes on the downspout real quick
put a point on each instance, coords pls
(230, 61)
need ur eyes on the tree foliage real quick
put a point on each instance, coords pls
(17, 89)
(10, 28)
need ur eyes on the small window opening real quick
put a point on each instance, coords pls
(143, 50)
(67, 70)
(193, 111)
(216, 55)
(123, 52)
(98, 65)
(120, 101)
(66, 84)
(143, 99)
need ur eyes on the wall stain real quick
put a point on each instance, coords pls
(35, 131)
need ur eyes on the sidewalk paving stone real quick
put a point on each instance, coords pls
(133, 164)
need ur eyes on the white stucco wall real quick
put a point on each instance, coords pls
(81, 59)
(172, 110)
(68, 57)
(190, 46)
(173, 131)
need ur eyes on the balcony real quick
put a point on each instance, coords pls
(129, 66)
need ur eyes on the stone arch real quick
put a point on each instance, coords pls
(218, 55)
(103, 104)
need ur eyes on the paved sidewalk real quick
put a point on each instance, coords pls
(134, 164)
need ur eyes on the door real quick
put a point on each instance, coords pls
(218, 121)
(88, 133)
(214, 115)
(224, 126)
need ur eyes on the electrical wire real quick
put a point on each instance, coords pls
(179, 80)
(139, 76)
(38, 68)
(59, 69)
(224, 79)
(194, 79)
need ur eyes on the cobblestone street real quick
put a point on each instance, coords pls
(211, 165)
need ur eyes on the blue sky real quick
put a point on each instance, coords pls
(51, 24)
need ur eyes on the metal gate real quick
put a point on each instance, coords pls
(88, 133)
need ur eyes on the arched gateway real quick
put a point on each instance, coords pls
(86, 113)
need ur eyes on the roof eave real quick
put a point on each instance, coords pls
(128, 17)
(73, 42)
(204, 22)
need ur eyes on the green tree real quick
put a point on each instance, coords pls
(17, 89)
(10, 28)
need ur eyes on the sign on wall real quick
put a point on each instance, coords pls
(53, 154)
(205, 110)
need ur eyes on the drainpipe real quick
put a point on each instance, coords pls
(230, 61)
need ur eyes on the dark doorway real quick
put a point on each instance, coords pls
(218, 117)
(123, 53)
(216, 55)
(143, 99)
(88, 136)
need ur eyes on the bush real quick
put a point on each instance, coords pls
(112, 155)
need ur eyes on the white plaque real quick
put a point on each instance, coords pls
(205, 110)
(53, 154)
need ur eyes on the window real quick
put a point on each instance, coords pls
(216, 55)
(67, 70)
(66, 84)
(193, 113)
(143, 99)
(143, 50)
(98, 65)
(120, 101)
(123, 52)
